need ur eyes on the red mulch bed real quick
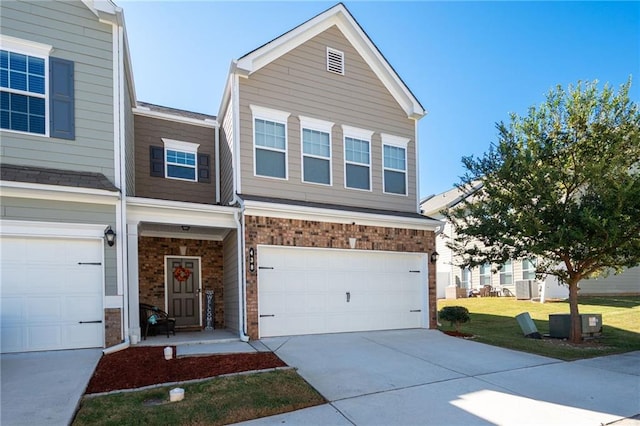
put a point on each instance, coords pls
(143, 366)
(457, 333)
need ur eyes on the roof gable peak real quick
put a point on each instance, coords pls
(339, 16)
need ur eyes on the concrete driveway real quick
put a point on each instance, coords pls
(425, 377)
(44, 388)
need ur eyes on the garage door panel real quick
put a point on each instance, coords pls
(46, 292)
(382, 291)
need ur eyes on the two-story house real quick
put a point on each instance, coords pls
(65, 89)
(505, 277)
(294, 211)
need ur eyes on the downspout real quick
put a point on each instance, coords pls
(242, 281)
(217, 162)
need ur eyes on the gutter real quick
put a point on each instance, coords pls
(116, 348)
(242, 281)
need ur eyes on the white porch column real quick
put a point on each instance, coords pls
(134, 287)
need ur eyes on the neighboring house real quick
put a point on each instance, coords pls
(294, 211)
(65, 87)
(506, 276)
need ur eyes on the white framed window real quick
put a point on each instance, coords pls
(465, 278)
(180, 160)
(506, 273)
(24, 83)
(357, 158)
(335, 61)
(529, 269)
(270, 142)
(316, 150)
(394, 164)
(485, 274)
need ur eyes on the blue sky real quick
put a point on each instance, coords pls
(469, 63)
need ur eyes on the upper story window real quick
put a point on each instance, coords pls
(180, 159)
(506, 273)
(270, 142)
(335, 61)
(394, 164)
(316, 150)
(529, 269)
(357, 158)
(485, 274)
(36, 91)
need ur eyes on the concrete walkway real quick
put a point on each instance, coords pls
(44, 388)
(425, 377)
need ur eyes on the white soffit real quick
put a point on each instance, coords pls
(340, 17)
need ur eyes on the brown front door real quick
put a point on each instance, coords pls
(183, 291)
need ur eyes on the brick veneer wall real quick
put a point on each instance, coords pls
(304, 233)
(112, 326)
(151, 253)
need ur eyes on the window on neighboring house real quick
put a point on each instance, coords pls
(180, 160)
(485, 274)
(529, 269)
(36, 91)
(506, 273)
(316, 150)
(270, 142)
(465, 278)
(357, 158)
(394, 164)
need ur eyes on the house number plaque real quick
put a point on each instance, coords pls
(209, 295)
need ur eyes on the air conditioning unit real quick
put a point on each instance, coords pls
(527, 289)
(560, 325)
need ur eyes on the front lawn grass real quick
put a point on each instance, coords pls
(493, 321)
(217, 401)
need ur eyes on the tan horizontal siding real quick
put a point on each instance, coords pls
(298, 83)
(75, 34)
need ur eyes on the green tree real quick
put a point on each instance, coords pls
(562, 184)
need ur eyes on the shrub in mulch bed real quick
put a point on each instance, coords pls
(144, 366)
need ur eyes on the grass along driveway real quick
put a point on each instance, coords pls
(218, 401)
(493, 322)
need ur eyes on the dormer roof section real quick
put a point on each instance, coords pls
(339, 16)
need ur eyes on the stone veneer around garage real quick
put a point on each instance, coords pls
(151, 253)
(303, 233)
(112, 326)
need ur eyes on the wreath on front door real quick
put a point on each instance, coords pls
(181, 274)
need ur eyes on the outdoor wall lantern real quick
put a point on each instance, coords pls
(434, 257)
(110, 236)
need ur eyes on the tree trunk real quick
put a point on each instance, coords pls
(575, 334)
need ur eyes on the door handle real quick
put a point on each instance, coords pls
(348, 296)
(90, 322)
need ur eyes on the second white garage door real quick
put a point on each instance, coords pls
(309, 291)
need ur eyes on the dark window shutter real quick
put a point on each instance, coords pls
(156, 157)
(61, 99)
(204, 168)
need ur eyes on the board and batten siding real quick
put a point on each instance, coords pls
(230, 280)
(130, 166)
(226, 156)
(298, 83)
(65, 212)
(76, 35)
(149, 132)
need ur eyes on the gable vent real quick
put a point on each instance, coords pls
(335, 61)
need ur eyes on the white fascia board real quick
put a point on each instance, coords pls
(26, 228)
(179, 213)
(58, 193)
(340, 17)
(282, 211)
(181, 235)
(144, 111)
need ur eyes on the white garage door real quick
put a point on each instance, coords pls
(308, 291)
(51, 294)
